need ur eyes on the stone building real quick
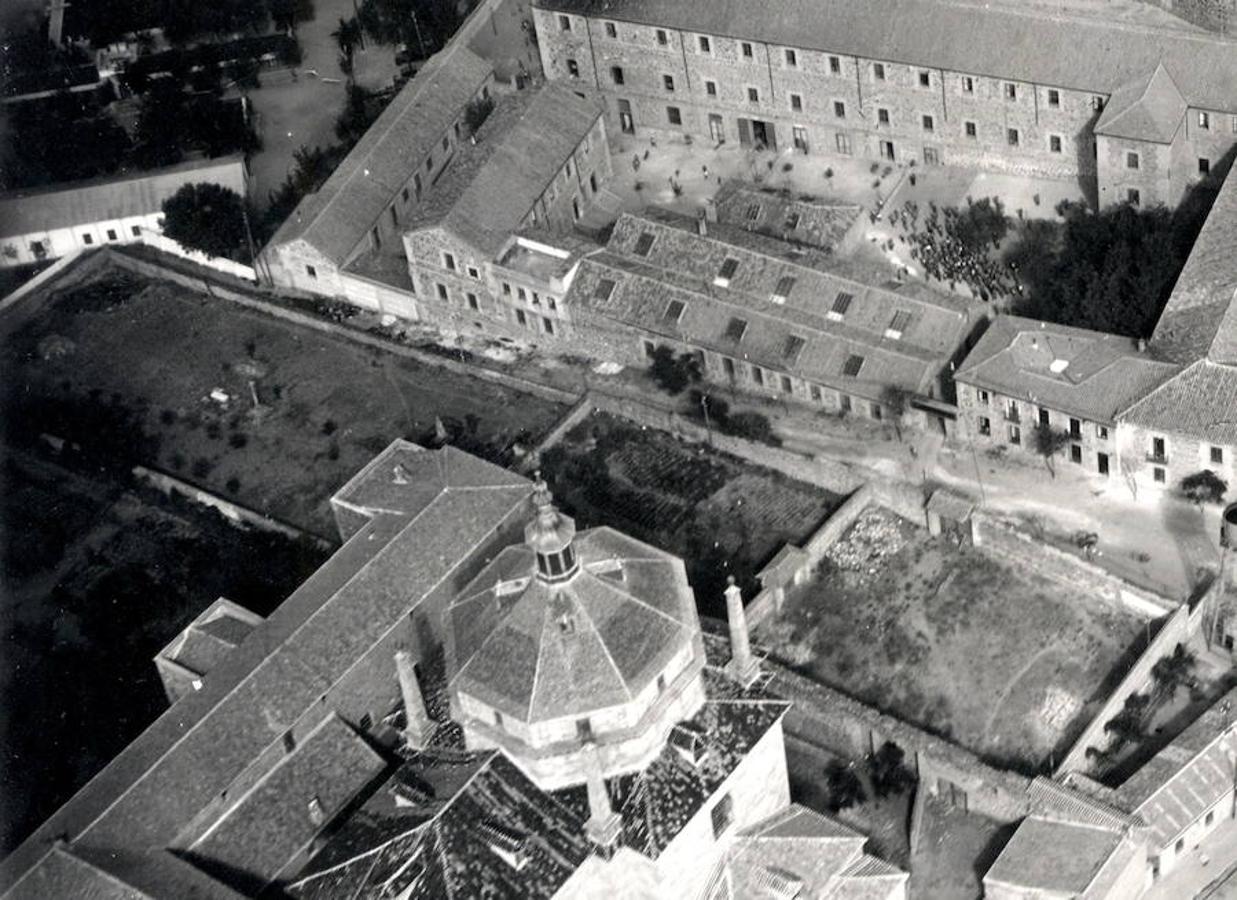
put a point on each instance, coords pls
(1024, 373)
(535, 165)
(890, 80)
(767, 316)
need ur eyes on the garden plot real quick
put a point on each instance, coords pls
(998, 657)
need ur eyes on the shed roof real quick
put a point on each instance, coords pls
(1003, 40)
(99, 200)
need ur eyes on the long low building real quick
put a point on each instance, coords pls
(53, 222)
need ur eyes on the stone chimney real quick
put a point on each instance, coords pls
(419, 728)
(1142, 345)
(604, 826)
(742, 667)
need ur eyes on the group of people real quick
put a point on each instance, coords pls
(936, 244)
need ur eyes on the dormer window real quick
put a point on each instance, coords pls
(841, 303)
(729, 266)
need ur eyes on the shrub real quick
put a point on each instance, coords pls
(167, 417)
(750, 425)
(233, 485)
(213, 431)
(333, 453)
(673, 373)
(202, 467)
(329, 427)
(238, 439)
(1204, 487)
(844, 789)
(889, 772)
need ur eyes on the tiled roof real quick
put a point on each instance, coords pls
(1188, 776)
(64, 874)
(510, 649)
(1050, 855)
(1053, 800)
(682, 265)
(1148, 108)
(1002, 40)
(1023, 358)
(1200, 318)
(489, 190)
(135, 194)
(195, 750)
(337, 217)
(784, 216)
(1201, 401)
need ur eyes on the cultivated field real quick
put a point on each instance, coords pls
(721, 514)
(142, 358)
(999, 658)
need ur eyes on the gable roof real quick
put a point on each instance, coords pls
(1054, 855)
(99, 200)
(337, 217)
(1085, 373)
(1003, 40)
(1201, 401)
(780, 215)
(489, 190)
(1147, 108)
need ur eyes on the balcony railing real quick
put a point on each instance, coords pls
(1160, 459)
(1012, 415)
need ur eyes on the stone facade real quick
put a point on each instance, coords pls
(1158, 459)
(746, 91)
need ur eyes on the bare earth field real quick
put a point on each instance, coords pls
(722, 514)
(154, 352)
(994, 656)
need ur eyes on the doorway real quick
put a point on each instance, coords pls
(764, 135)
(717, 130)
(627, 124)
(1101, 462)
(887, 151)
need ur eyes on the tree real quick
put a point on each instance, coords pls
(356, 117)
(750, 425)
(162, 122)
(1204, 487)
(673, 373)
(843, 786)
(1048, 442)
(1174, 671)
(347, 36)
(981, 224)
(888, 770)
(206, 217)
(476, 112)
(896, 400)
(1127, 725)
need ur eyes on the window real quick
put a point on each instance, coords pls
(1101, 432)
(649, 348)
(667, 82)
(925, 79)
(1158, 448)
(564, 23)
(758, 375)
(792, 348)
(416, 184)
(985, 426)
(815, 392)
(521, 318)
(1131, 160)
(1075, 429)
(878, 71)
(1217, 455)
(897, 325)
(1180, 845)
(844, 403)
(796, 102)
(1157, 475)
(753, 212)
(1054, 143)
(673, 115)
(842, 141)
(785, 285)
(644, 244)
(839, 109)
(1210, 817)
(735, 329)
(753, 95)
(611, 30)
(311, 271)
(472, 301)
(1011, 137)
(506, 288)
(1054, 97)
(852, 365)
(710, 88)
(1133, 196)
(443, 294)
(928, 124)
(1204, 165)
(705, 45)
(1204, 119)
(289, 741)
(792, 58)
(1075, 454)
(661, 682)
(728, 367)
(968, 84)
(729, 266)
(661, 38)
(787, 385)
(1015, 434)
(111, 234)
(985, 398)
(573, 68)
(1097, 103)
(1045, 418)
(429, 162)
(522, 294)
(841, 303)
(674, 311)
(136, 230)
(88, 238)
(1011, 91)
(548, 323)
(473, 273)
(882, 116)
(445, 142)
(970, 130)
(835, 68)
(553, 304)
(746, 49)
(448, 262)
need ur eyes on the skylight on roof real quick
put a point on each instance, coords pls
(735, 329)
(851, 367)
(841, 303)
(729, 266)
(604, 289)
(753, 212)
(674, 311)
(644, 244)
(898, 324)
(785, 285)
(793, 347)
(1057, 366)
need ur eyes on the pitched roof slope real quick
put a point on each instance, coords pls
(209, 739)
(98, 200)
(1003, 41)
(1052, 855)
(1090, 374)
(1148, 108)
(484, 197)
(336, 218)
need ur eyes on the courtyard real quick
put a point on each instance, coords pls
(265, 412)
(723, 515)
(999, 658)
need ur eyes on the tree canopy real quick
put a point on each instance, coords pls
(206, 217)
(1204, 487)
